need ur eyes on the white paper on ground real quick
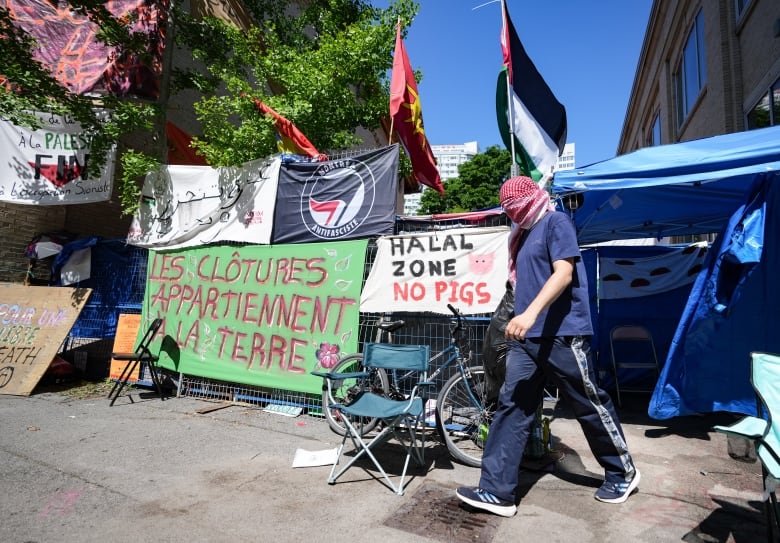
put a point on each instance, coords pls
(286, 410)
(306, 459)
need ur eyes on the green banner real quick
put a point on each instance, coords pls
(256, 315)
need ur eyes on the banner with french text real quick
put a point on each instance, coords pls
(465, 267)
(256, 315)
(48, 166)
(189, 206)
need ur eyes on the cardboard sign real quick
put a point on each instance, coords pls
(124, 342)
(34, 322)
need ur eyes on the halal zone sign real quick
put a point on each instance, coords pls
(338, 198)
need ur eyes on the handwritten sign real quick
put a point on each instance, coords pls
(190, 206)
(33, 324)
(125, 340)
(465, 267)
(49, 166)
(258, 315)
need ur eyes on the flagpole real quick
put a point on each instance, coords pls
(392, 119)
(514, 169)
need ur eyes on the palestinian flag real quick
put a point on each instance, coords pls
(527, 109)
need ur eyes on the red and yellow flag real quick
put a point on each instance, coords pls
(406, 113)
(291, 140)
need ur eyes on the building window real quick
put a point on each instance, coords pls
(654, 137)
(691, 76)
(767, 111)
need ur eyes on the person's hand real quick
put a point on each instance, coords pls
(519, 326)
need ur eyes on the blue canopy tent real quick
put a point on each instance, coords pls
(668, 190)
(728, 184)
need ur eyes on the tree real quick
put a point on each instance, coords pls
(325, 68)
(26, 86)
(476, 186)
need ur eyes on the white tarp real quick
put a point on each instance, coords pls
(425, 271)
(48, 166)
(188, 206)
(634, 277)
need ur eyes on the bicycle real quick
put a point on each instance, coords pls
(462, 412)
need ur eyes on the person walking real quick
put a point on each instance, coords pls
(548, 339)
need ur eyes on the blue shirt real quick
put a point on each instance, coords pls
(553, 238)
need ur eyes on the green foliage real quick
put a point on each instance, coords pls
(476, 186)
(26, 86)
(326, 71)
(135, 166)
(326, 68)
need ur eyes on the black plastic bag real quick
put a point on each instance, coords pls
(494, 350)
(494, 344)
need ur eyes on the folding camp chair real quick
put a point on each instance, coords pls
(400, 419)
(632, 347)
(763, 430)
(141, 355)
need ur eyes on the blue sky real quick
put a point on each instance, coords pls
(586, 51)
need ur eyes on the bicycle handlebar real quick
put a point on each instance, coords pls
(455, 312)
(456, 331)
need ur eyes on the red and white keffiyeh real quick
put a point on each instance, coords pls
(525, 203)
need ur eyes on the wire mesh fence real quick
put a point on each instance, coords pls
(122, 291)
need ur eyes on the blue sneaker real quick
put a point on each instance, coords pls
(482, 499)
(617, 492)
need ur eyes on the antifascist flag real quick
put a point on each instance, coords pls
(406, 112)
(348, 198)
(291, 140)
(538, 119)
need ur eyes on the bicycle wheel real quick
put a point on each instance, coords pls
(345, 390)
(462, 417)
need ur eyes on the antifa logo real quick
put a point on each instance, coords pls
(338, 198)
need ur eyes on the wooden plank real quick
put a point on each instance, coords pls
(210, 408)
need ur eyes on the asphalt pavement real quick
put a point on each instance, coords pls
(188, 470)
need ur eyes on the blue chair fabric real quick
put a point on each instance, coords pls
(401, 418)
(764, 430)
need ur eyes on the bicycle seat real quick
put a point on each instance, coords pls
(390, 326)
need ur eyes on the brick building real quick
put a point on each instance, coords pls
(707, 67)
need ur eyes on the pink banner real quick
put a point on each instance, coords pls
(69, 47)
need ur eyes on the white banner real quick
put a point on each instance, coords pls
(49, 166)
(635, 277)
(189, 206)
(425, 271)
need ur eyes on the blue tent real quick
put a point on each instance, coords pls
(728, 184)
(669, 190)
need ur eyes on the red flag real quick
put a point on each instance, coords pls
(406, 112)
(179, 150)
(291, 139)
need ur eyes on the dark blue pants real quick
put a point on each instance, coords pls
(565, 362)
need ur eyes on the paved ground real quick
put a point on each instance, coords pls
(77, 470)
